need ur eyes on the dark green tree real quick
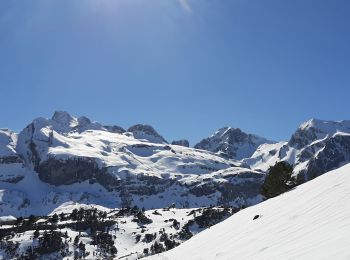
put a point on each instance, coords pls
(31, 219)
(169, 244)
(36, 233)
(82, 248)
(76, 240)
(49, 243)
(62, 217)
(157, 248)
(54, 218)
(278, 180)
(74, 214)
(19, 221)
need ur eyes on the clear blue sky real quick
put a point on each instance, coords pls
(187, 67)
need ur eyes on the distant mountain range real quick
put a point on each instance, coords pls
(65, 158)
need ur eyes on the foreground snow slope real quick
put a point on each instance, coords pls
(310, 222)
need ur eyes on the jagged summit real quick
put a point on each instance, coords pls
(64, 119)
(232, 143)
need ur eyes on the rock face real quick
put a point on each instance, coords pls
(69, 171)
(315, 148)
(182, 142)
(232, 143)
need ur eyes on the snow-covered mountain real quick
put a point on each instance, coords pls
(66, 159)
(316, 147)
(309, 222)
(232, 143)
(64, 164)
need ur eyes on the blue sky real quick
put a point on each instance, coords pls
(187, 67)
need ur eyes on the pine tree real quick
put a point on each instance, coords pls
(278, 180)
(36, 233)
(76, 240)
(54, 218)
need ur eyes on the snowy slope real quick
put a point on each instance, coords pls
(232, 143)
(267, 155)
(309, 222)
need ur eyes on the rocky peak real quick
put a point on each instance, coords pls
(315, 129)
(64, 119)
(233, 134)
(232, 143)
(147, 132)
